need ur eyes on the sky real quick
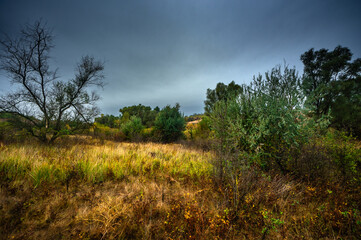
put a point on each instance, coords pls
(160, 52)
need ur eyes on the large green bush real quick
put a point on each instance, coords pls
(169, 124)
(265, 121)
(133, 128)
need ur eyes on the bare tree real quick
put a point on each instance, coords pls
(43, 105)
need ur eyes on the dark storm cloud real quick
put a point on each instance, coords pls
(163, 52)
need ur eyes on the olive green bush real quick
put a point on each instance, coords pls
(169, 124)
(265, 121)
(133, 128)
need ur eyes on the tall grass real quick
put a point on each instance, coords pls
(95, 190)
(99, 163)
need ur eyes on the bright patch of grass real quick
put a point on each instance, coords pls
(99, 163)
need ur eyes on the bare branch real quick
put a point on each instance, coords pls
(41, 101)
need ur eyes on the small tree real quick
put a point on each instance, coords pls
(170, 123)
(42, 105)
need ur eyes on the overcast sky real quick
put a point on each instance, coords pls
(160, 52)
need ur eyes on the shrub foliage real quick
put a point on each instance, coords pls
(170, 124)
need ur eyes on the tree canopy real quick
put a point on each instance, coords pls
(332, 83)
(221, 92)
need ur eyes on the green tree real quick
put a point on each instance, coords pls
(43, 105)
(221, 92)
(170, 123)
(332, 82)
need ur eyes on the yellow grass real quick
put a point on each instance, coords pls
(88, 189)
(97, 163)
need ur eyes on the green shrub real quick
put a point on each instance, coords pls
(133, 128)
(4, 130)
(345, 154)
(333, 156)
(265, 120)
(203, 129)
(169, 124)
(148, 134)
(104, 132)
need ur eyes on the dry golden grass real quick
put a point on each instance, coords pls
(87, 189)
(97, 163)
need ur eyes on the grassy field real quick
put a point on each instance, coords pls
(90, 189)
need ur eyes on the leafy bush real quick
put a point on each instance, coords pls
(8, 133)
(4, 128)
(345, 154)
(265, 120)
(169, 124)
(198, 130)
(332, 157)
(104, 132)
(148, 134)
(133, 128)
(203, 129)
